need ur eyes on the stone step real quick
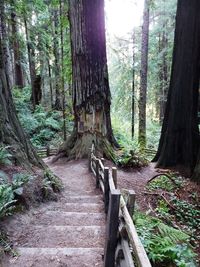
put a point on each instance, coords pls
(60, 236)
(69, 218)
(57, 257)
(75, 207)
(82, 199)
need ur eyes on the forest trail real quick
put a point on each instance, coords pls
(71, 231)
(66, 233)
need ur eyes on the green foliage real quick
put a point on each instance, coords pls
(166, 183)
(6, 200)
(165, 245)
(130, 159)
(42, 126)
(187, 213)
(8, 190)
(5, 156)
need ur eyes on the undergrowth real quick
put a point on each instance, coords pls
(172, 208)
(9, 189)
(44, 127)
(165, 245)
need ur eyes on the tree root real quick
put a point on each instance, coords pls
(78, 146)
(162, 174)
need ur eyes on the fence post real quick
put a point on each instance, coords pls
(112, 229)
(106, 189)
(48, 151)
(90, 159)
(97, 173)
(131, 202)
(114, 175)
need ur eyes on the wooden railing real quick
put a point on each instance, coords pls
(123, 247)
(46, 151)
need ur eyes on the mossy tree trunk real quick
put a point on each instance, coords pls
(179, 142)
(91, 93)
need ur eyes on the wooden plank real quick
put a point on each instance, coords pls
(112, 229)
(114, 175)
(111, 183)
(101, 186)
(131, 202)
(106, 189)
(127, 253)
(97, 173)
(138, 248)
(101, 165)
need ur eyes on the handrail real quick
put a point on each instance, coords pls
(119, 236)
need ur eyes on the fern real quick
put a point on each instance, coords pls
(6, 200)
(5, 156)
(164, 244)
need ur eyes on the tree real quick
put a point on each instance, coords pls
(91, 93)
(19, 79)
(143, 76)
(11, 133)
(179, 141)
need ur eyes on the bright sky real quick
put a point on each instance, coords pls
(123, 15)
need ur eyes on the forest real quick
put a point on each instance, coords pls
(114, 83)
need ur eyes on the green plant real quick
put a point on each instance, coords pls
(5, 156)
(18, 181)
(6, 200)
(165, 182)
(187, 213)
(8, 191)
(165, 245)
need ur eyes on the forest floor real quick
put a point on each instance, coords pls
(71, 231)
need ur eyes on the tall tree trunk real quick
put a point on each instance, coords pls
(19, 79)
(179, 140)
(31, 59)
(62, 74)
(91, 93)
(143, 76)
(5, 44)
(11, 133)
(58, 104)
(133, 91)
(50, 83)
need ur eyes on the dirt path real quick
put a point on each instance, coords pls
(66, 233)
(71, 231)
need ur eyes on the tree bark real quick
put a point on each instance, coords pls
(5, 44)
(11, 133)
(179, 140)
(91, 93)
(58, 103)
(31, 59)
(143, 77)
(62, 73)
(133, 91)
(18, 74)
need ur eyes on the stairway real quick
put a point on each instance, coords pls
(66, 233)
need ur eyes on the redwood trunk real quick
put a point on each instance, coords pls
(19, 79)
(11, 133)
(179, 140)
(143, 76)
(91, 93)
